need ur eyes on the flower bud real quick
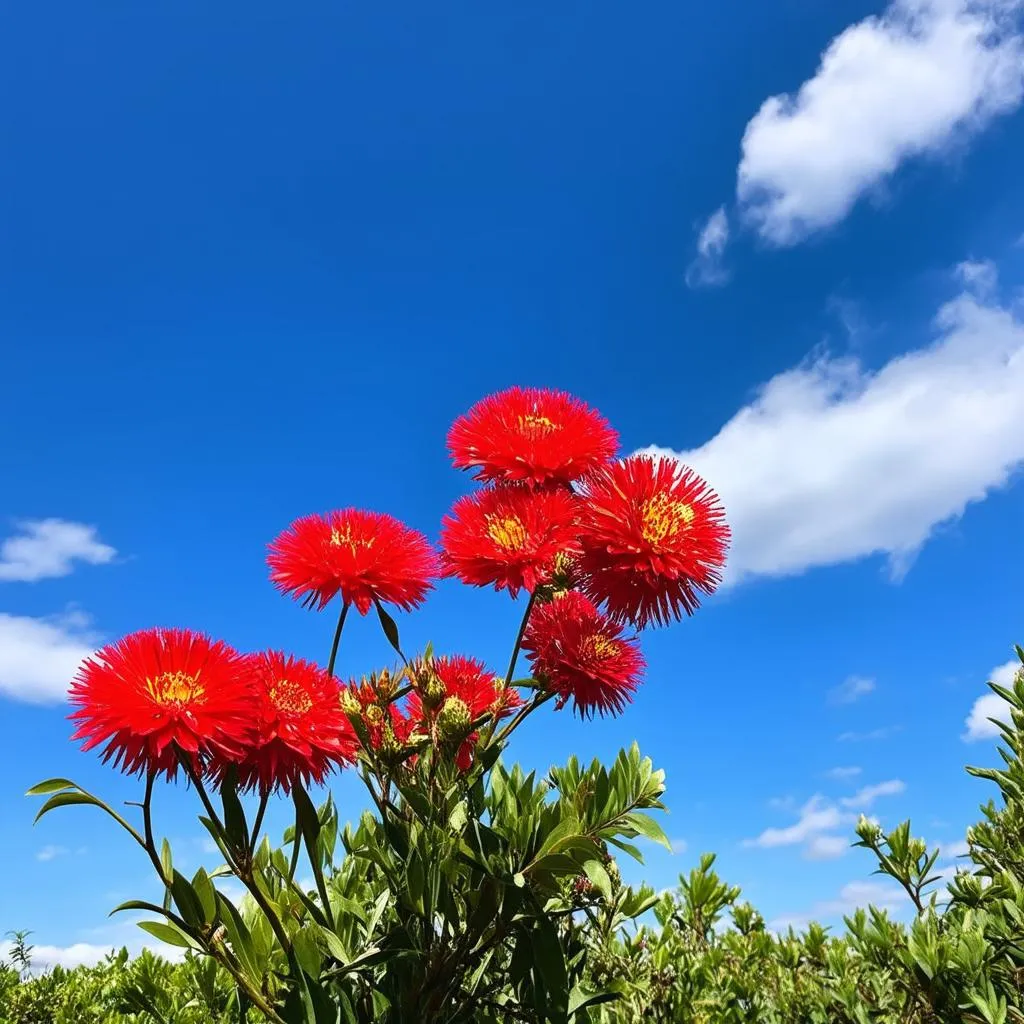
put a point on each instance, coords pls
(350, 703)
(453, 720)
(386, 685)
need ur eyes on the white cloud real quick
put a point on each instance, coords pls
(39, 657)
(991, 705)
(843, 773)
(51, 852)
(832, 462)
(865, 797)
(679, 845)
(707, 268)
(48, 547)
(851, 690)
(827, 847)
(816, 819)
(916, 80)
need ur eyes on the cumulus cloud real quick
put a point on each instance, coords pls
(979, 724)
(831, 462)
(978, 276)
(707, 269)
(921, 77)
(851, 690)
(39, 657)
(46, 548)
(865, 797)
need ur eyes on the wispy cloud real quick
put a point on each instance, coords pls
(865, 797)
(851, 690)
(707, 268)
(46, 548)
(844, 773)
(853, 896)
(884, 732)
(51, 852)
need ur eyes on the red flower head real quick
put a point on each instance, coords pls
(531, 435)
(463, 691)
(581, 653)
(364, 556)
(302, 731)
(508, 536)
(160, 691)
(654, 535)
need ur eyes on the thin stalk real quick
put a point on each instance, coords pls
(337, 638)
(512, 662)
(147, 824)
(257, 824)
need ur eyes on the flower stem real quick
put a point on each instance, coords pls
(512, 663)
(257, 824)
(337, 638)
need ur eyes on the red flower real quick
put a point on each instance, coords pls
(654, 536)
(531, 435)
(364, 556)
(508, 536)
(463, 691)
(580, 652)
(302, 731)
(160, 691)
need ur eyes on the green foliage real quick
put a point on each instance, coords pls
(493, 896)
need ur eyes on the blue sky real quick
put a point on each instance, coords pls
(254, 262)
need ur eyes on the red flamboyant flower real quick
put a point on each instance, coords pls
(302, 731)
(364, 556)
(508, 537)
(159, 692)
(654, 536)
(465, 691)
(531, 435)
(581, 653)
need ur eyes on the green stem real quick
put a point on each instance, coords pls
(337, 638)
(257, 824)
(512, 663)
(295, 850)
(147, 824)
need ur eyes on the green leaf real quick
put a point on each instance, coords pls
(649, 828)
(549, 960)
(595, 871)
(234, 817)
(166, 861)
(206, 894)
(187, 901)
(169, 933)
(66, 799)
(389, 626)
(50, 786)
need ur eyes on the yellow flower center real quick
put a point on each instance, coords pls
(290, 697)
(598, 648)
(662, 518)
(373, 715)
(344, 537)
(534, 425)
(507, 532)
(175, 688)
